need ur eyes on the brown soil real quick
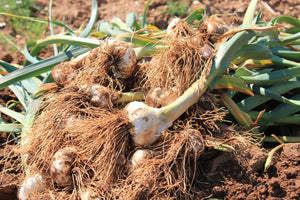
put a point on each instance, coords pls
(228, 176)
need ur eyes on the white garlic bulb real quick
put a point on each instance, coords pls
(146, 122)
(32, 184)
(86, 194)
(61, 166)
(195, 142)
(161, 96)
(139, 157)
(102, 96)
(124, 56)
(172, 25)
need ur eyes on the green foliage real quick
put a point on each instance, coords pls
(177, 8)
(17, 7)
(269, 65)
(26, 29)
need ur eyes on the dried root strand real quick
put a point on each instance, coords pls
(101, 138)
(181, 64)
(167, 169)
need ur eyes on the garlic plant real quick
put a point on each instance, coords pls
(148, 122)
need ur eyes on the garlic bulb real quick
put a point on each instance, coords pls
(32, 184)
(195, 142)
(69, 120)
(172, 25)
(86, 194)
(207, 50)
(121, 160)
(102, 96)
(139, 156)
(215, 27)
(161, 96)
(146, 122)
(61, 166)
(61, 73)
(123, 55)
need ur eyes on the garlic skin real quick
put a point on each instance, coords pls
(139, 156)
(32, 184)
(61, 166)
(124, 55)
(146, 123)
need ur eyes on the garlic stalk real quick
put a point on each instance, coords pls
(148, 122)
